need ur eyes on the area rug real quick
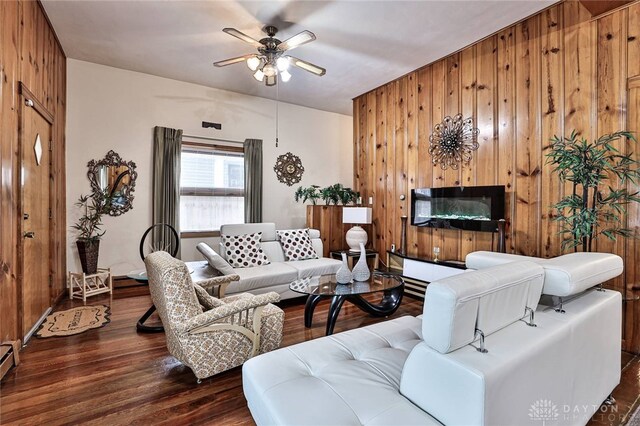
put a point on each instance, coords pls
(74, 321)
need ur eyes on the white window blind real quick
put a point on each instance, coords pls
(211, 187)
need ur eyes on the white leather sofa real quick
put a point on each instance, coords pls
(428, 369)
(279, 273)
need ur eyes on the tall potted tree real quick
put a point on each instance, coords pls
(591, 210)
(89, 230)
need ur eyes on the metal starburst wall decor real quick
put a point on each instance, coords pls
(452, 141)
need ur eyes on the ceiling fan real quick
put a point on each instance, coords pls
(271, 59)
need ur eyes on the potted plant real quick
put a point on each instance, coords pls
(338, 193)
(328, 217)
(347, 195)
(308, 193)
(89, 230)
(589, 210)
(330, 194)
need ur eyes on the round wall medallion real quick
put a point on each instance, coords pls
(288, 168)
(452, 141)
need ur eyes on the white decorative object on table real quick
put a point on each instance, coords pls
(358, 216)
(343, 275)
(361, 270)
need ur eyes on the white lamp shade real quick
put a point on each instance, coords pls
(357, 215)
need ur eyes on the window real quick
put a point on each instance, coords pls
(211, 187)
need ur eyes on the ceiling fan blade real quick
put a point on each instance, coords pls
(307, 66)
(242, 36)
(231, 61)
(297, 40)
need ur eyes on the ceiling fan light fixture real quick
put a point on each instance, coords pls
(272, 58)
(282, 63)
(269, 70)
(253, 63)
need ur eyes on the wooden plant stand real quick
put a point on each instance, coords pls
(82, 285)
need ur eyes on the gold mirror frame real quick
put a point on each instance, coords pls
(116, 179)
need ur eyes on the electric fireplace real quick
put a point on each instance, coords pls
(471, 208)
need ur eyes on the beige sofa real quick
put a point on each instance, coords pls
(277, 275)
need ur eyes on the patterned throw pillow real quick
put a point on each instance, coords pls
(296, 244)
(244, 251)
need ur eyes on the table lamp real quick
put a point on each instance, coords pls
(358, 216)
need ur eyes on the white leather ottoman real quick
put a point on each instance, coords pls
(351, 378)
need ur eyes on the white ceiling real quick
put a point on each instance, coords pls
(363, 44)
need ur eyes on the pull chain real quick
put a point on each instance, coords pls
(277, 102)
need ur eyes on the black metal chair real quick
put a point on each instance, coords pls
(159, 237)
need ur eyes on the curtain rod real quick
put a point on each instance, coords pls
(212, 139)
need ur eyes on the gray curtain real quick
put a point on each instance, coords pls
(166, 179)
(253, 180)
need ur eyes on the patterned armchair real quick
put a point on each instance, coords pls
(224, 334)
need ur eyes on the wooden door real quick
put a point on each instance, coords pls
(35, 213)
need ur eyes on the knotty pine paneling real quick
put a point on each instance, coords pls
(468, 109)
(526, 194)
(632, 281)
(486, 156)
(424, 170)
(412, 157)
(9, 76)
(31, 54)
(506, 104)
(554, 72)
(551, 123)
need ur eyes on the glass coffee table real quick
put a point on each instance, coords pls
(318, 287)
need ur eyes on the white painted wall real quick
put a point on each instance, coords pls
(110, 108)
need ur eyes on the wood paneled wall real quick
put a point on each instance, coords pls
(29, 53)
(554, 72)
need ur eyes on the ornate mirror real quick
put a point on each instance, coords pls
(116, 179)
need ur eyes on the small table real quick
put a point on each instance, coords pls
(351, 254)
(325, 286)
(141, 277)
(82, 285)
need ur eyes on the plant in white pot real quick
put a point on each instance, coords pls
(89, 230)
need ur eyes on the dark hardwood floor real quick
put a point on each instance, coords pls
(113, 375)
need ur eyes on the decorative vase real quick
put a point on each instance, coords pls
(343, 275)
(361, 270)
(88, 252)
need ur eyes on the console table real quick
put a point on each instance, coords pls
(418, 273)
